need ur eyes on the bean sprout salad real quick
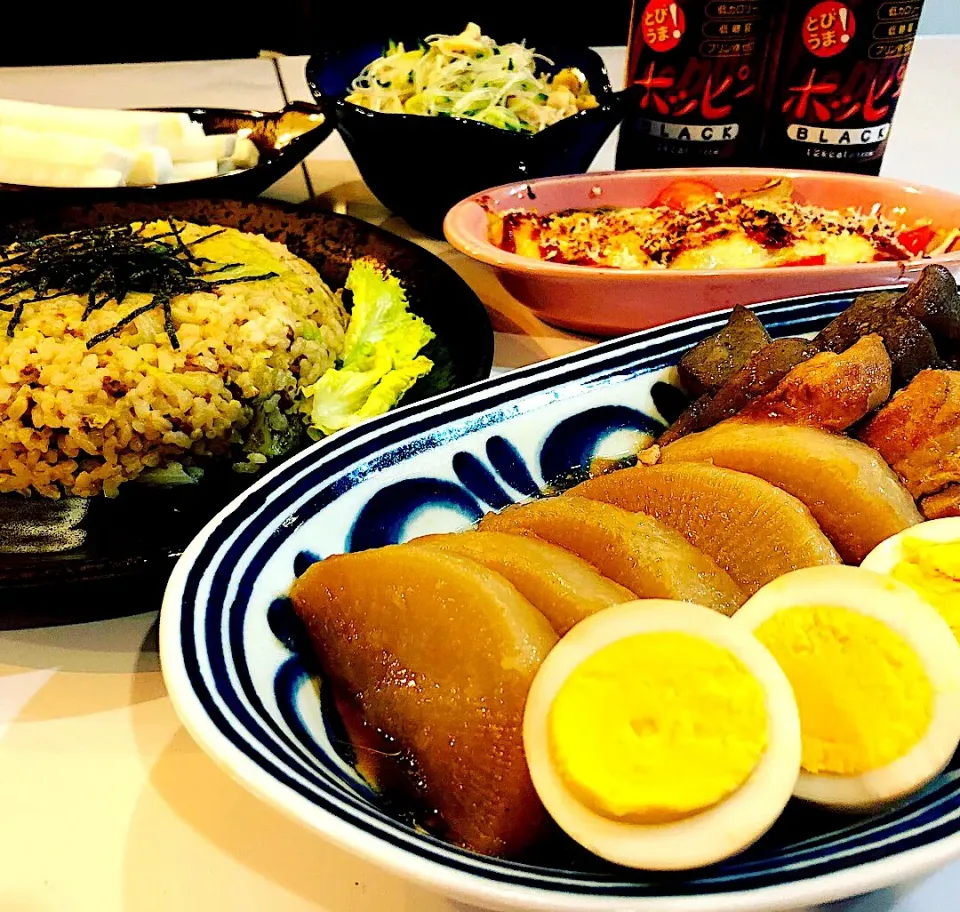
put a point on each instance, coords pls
(471, 76)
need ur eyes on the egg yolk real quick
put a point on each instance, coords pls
(932, 569)
(864, 697)
(657, 727)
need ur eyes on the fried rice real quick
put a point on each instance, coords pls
(81, 419)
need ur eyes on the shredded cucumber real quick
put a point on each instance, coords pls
(470, 76)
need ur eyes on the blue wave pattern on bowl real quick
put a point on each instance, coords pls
(436, 467)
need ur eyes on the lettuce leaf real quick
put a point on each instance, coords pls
(380, 315)
(388, 392)
(380, 359)
(340, 394)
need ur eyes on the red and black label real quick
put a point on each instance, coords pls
(840, 73)
(695, 68)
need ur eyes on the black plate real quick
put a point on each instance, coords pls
(144, 529)
(284, 138)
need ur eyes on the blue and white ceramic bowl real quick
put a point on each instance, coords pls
(229, 641)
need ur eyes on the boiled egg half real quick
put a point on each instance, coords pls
(876, 675)
(927, 558)
(661, 735)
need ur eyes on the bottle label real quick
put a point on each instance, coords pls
(689, 132)
(828, 28)
(662, 25)
(824, 137)
(696, 68)
(839, 86)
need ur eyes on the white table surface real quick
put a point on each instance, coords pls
(106, 804)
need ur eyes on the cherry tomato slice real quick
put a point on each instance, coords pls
(685, 194)
(916, 240)
(819, 259)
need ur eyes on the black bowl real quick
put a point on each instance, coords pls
(419, 167)
(284, 138)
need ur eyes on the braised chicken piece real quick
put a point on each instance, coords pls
(919, 329)
(918, 434)
(759, 376)
(910, 344)
(946, 503)
(830, 391)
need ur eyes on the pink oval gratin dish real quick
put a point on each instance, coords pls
(607, 301)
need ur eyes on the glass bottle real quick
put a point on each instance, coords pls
(838, 76)
(695, 68)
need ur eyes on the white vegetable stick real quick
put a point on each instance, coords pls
(225, 166)
(174, 128)
(45, 174)
(193, 131)
(245, 153)
(184, 171)
(102, 177)
(217, 146)
(114, 126)
(229, 145)
(151, 165)
(64, 149)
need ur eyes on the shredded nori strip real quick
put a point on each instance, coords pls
(15, 319)
(106, 264)
(129, 318)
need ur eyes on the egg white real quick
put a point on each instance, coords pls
(889, 553)
(907, 614)
(706, 837)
